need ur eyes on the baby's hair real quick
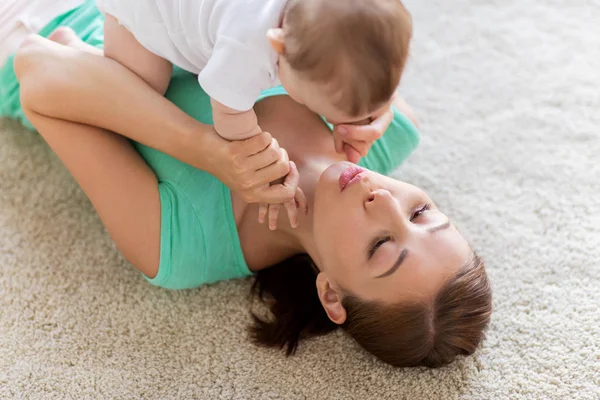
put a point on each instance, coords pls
(359, 47)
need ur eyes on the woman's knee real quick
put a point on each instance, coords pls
(37, 71)
(23, 57)
(25, 66)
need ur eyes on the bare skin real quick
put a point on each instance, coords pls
(41, 89)
(108, 168)
(120, 45)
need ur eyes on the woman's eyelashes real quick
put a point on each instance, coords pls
(419, 211)
(377, 243)
(381, 240)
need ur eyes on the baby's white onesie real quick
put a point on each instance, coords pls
(223, 41)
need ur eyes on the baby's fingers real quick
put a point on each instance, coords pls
(352, 153)
(290, 183)
(293, 177)
(262, 213)
(292, 207)
(273, 215)
(292, 212)
(300, 201)
(338, 143)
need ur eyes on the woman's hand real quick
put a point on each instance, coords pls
(356, 140)
(65, 83)
(248, 167)
(291, 206)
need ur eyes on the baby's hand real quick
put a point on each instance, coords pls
(292, 206)
(356, 140)
(234, 124)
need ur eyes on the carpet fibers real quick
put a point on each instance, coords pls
(508, 95)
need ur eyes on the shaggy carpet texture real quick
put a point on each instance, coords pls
(508, 95)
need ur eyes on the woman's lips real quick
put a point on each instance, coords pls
(351, 175)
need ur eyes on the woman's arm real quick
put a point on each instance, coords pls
(90, 89)
(120, 185)
(63, 83)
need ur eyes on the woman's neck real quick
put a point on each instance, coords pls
(262, 247)
(301, 238)
(309, 144)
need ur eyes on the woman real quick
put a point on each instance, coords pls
(373, 255)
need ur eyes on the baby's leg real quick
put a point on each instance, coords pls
(123, 47)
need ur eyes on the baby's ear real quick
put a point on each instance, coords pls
(277, 39)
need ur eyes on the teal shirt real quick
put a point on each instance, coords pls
(199, 239)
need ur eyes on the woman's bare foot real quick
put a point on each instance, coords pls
(66, 36)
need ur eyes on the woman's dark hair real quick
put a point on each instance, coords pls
(290, 291)
(403, 335)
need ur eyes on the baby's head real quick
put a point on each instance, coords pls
(342, 58)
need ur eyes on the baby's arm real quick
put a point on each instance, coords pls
(235, 125)
(232, 124)
(121, 46)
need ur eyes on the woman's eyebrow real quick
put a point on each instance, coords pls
(404, 252)
(396, 265)
(439, 227)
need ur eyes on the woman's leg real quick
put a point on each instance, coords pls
(64, 83)
(120, 185)
(98, 91)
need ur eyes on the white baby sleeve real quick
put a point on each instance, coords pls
(234, 75)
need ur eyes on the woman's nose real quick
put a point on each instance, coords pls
(381, 198)
(383, 207)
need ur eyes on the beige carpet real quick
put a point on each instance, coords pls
(508, 92)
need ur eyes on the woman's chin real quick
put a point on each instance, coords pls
(331, 176)
(328, 187)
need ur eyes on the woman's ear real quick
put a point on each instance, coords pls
(331, 299)
(276, 39)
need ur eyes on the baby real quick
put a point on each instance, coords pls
(341, 58)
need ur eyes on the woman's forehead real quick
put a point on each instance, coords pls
(430, 260)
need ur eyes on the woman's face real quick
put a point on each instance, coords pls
(382, 239)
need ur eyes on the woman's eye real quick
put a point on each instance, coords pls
(377, 244)
(420, 211)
